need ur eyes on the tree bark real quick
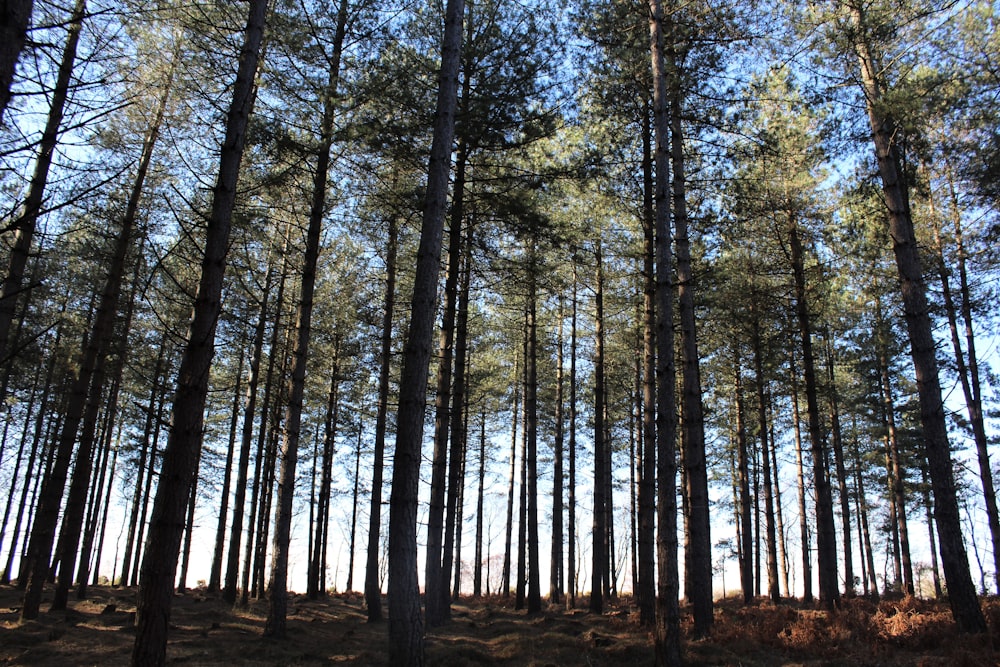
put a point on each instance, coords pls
(599, 563)
(246, 440)
(406, 627)
(668, 640)
(826, 534)
(373, 592)
(160, 561)
(215, 575)
(278, 585)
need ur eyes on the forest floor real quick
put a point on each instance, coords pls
(206, 631)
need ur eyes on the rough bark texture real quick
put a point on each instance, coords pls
(167, 523)
(406, 627)
(961, 590)
(668, 639)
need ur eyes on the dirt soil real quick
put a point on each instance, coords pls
(332, 631)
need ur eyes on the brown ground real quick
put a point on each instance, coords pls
(205, 631)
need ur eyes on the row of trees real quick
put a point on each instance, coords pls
(667, 290)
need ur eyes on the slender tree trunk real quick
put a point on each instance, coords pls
(929, 510)
(571, 584)
(278, 585)
(699, 551)
(88, 389)
(743, 463)
(160, 561)
(646, 588)
(406, 627)
(826, 534)
(522, 507)
(531, 433)
(968, 374)
(373, 592)
(460, 510)
(215, 575)
(765, 457)
(36, 442)
(317, 583)
(556, 558)
(778, 508)
(838, 458)
(668, 641)
(435, 586)
(807, 590)
(599, 564)
(354, 515)
(27, 219)
(260, 501)
(189, 527)
(456, 457)
(508, 534)
(138, 499)
(107, 506)
(869, 554)
(47, 514)
(477, 573)
(961, 591)
(246, 440)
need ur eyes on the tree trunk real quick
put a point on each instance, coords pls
(317, 580)
(160, 561)
(406, 627)
(456, 457)
(899, 526)
(807, 590)
(646, 588)
(508, 534)
(838, 459)
(869, 554)
(668, 641)
(826, 534)
(86, 405)
(349, 586)
(556, 557)
(961, 591)
(477, 572)
(189, 528)
(531, 433)
(246, 440)
(968, 374)
(699, 551)
(743, 463)
(47, 514)
(435, 584)
(278, 586)
(373, 592)
(765, 456)
(215, 575)
(571, 501)
(599, 564)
